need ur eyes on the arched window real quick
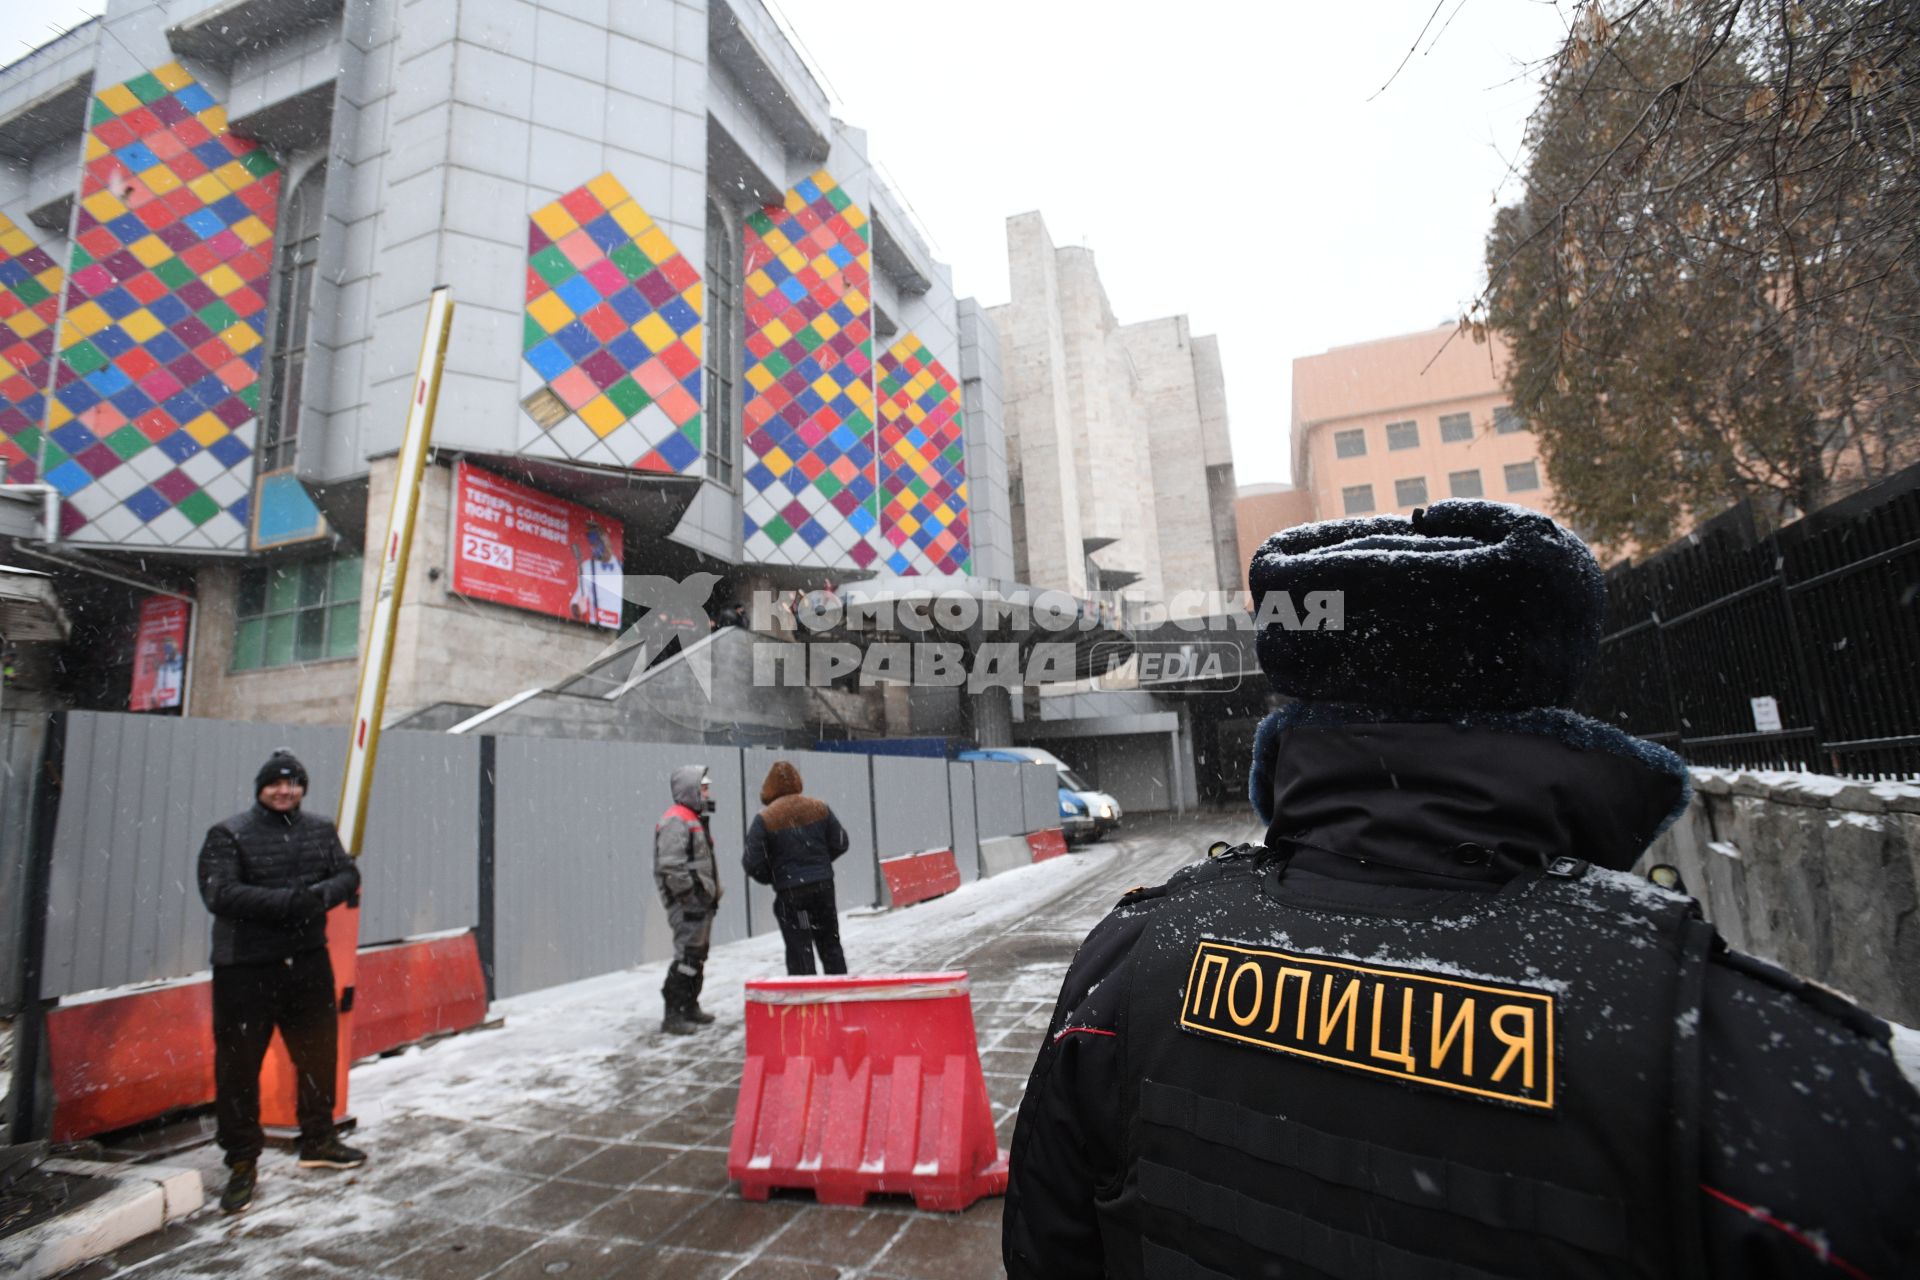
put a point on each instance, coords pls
(723, 343)
(299, 237)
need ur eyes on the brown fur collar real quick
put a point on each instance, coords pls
(792, 811)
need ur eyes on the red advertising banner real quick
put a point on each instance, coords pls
(516, 546)
(159, 654)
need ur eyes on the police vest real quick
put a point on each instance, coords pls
(1506, 1087)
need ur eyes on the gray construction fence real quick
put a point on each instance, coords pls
(543, 846)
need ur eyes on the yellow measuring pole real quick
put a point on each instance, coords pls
(376, 658)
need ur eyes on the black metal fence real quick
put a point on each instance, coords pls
(1821, 618)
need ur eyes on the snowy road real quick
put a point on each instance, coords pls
(577, 1141)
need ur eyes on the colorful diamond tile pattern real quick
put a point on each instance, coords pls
(29, 301)
(152, 422)
(923, 464)
(613, 328)
(809, 368)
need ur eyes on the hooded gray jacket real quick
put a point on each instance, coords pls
(682, 849)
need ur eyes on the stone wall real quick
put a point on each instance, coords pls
(1816, 874)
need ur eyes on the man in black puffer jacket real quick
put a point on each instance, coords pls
(269, 876)
(791, 846)
(1432, 1027)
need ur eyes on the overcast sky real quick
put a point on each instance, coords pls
(1222, 159)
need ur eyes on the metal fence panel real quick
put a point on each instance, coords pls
(1817, 616)
(23, 736)
(845, 783)
(1001, 802)
(139, 794)
(419, 863)
(141, 791)
(573, 858)
(911, 807)
(963, 821)
(1040, 792)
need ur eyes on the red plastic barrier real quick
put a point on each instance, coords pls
(408, 991)
(858, 1085)
(1050, 843)
(915, 877)
(127, 1059)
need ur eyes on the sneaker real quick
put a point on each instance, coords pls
(679, 1024)
(239, 1192)
(330, 1153)
(700, 1016)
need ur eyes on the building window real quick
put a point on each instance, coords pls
(1506, 422)
(1403, 435)
(293, 290)
(1357, 499)
(723, 343)
(1522, 476)
(1410, 492)
(1455, 427)
(1350, 444)
(297, 611)
(1464, 484)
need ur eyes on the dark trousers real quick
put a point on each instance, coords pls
(249, 1001)
(808, 920)
(691, 919)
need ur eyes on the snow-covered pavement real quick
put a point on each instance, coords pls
(575, 1140)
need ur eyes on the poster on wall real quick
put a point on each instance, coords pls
(159, 655)
(517, 546)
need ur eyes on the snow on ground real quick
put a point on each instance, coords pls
(440, 1120)
(556, 1042)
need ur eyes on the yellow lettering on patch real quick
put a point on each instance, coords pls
(1518, 1043)
(1330, 1010)
(1259, 993)
(1422, 1027)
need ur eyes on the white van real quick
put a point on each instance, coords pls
(1101, 807)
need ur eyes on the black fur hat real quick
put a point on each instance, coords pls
(1467, 606)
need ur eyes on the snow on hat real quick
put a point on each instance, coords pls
(281, 764)
(1467, 606)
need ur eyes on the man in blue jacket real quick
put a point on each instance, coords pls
(269, 876)
(791, 846)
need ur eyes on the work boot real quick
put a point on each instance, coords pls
(700, 1015)
(330, 1153)
(239, 1192)
(679, 1023)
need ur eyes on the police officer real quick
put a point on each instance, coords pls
(1432, 1027)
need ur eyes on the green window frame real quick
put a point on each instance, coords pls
(297, 611)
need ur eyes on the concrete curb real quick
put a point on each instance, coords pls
(147, 1198)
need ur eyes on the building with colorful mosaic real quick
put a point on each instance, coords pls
(692, 320)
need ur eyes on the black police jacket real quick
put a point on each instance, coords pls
(1394, 1043)
(269, 879)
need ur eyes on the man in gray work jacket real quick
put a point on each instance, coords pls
(689, 884)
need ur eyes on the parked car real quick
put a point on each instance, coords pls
(1100, 810)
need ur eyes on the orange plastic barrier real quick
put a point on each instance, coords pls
(857, 1085)
(1050, 843)
(411, 990)
(126, 1059)
(915, 877)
